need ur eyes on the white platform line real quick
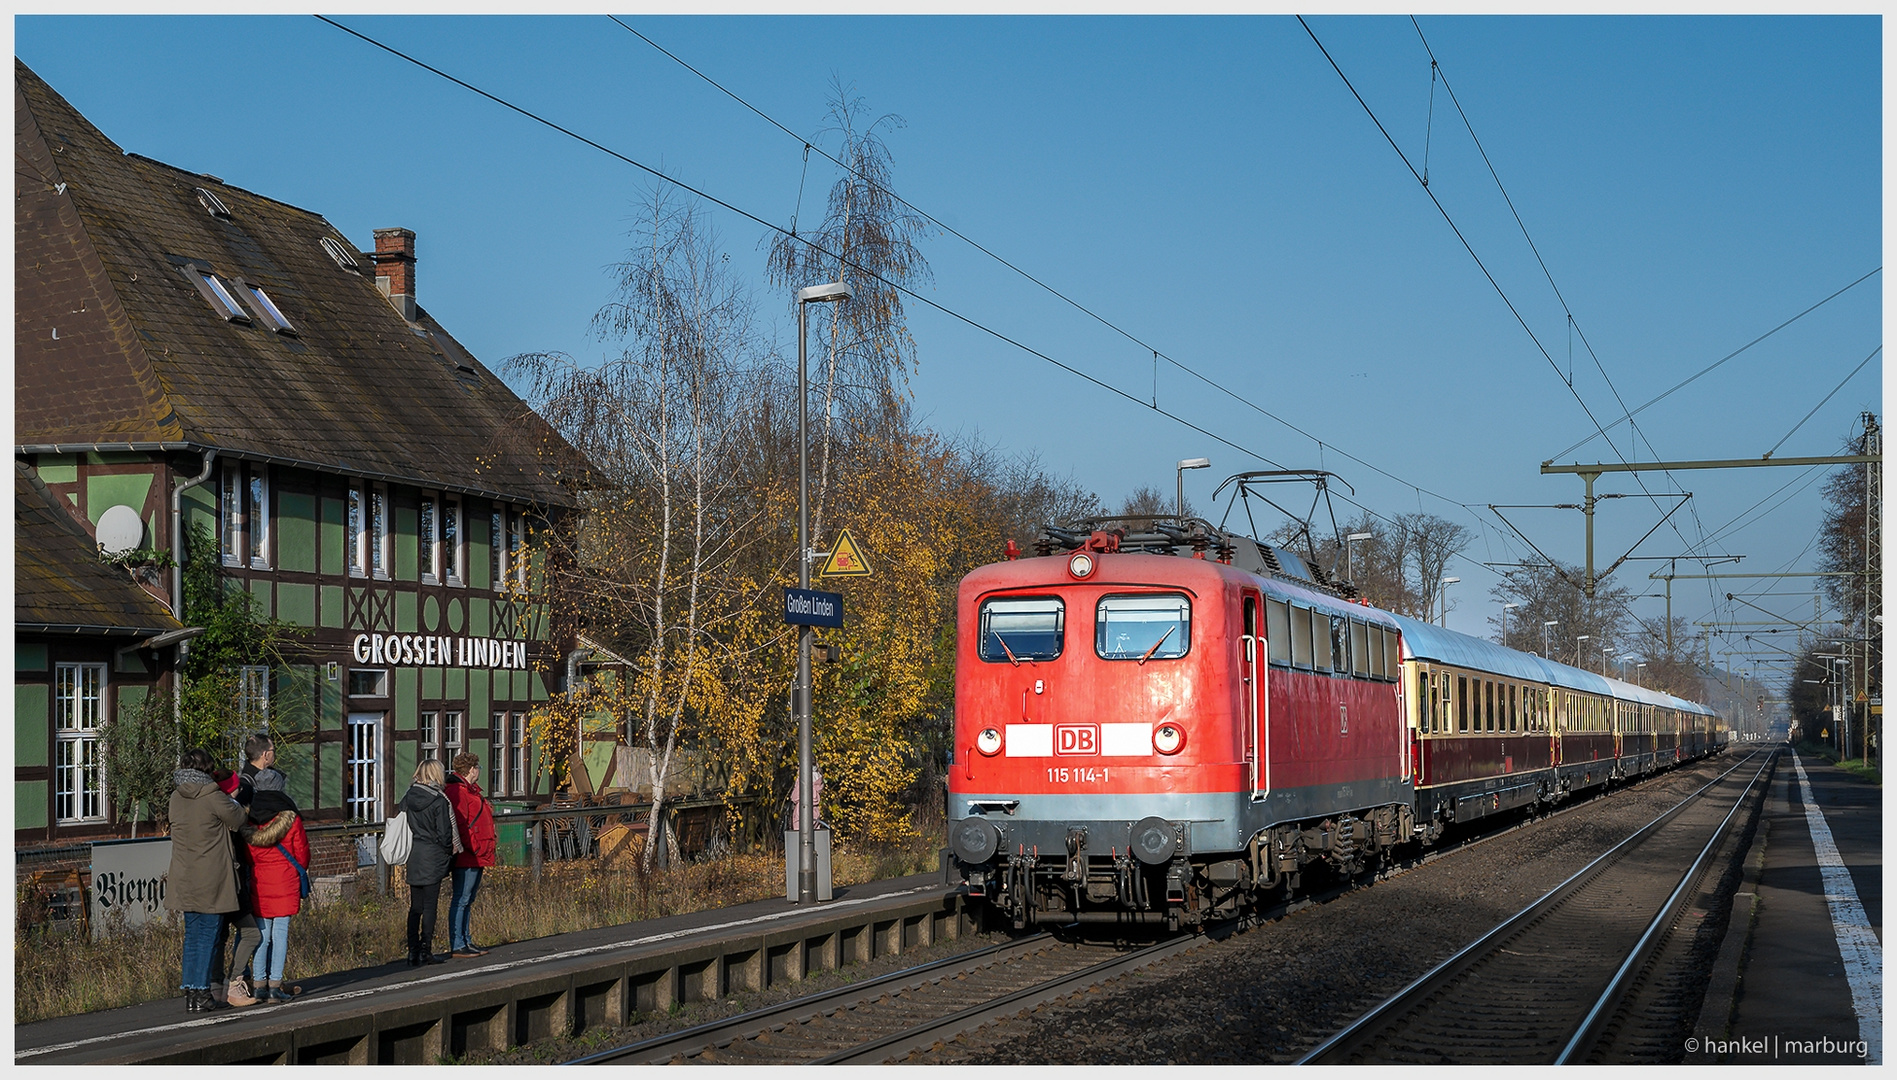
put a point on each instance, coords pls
(447, 976)
(1857, 944)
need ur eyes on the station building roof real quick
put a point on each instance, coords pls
(59, 584)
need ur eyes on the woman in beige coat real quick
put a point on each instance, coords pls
(203, 881)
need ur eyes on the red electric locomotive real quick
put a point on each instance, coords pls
(1165, 726)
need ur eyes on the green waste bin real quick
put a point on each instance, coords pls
(510, 837)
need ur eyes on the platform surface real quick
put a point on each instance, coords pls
(94, 1036)
(1810, 986)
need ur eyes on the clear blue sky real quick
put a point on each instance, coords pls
(1208, 184)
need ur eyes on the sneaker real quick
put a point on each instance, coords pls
(467, 952)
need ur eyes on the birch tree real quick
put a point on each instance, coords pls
(658, 423)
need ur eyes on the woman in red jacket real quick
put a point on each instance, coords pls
(474, 815)
(279, 861)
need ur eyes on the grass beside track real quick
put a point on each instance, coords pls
(60, 974)
(1857, 767)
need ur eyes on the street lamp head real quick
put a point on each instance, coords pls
(1581, 637)
(1196, 463)
(1354, 537)
(1451, 580)
(1510, 607)
(1551, 622)
(825, 294)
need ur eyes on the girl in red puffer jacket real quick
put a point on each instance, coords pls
(279, 865)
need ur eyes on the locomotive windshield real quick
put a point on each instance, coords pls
(1143, 628)
(1014, 630)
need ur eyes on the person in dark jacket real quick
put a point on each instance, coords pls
(279, 861)
(203, 883)
(435, 840)
(475, 817)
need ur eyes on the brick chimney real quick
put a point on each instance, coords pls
(395, 268)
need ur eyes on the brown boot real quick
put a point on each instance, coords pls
(238, 994)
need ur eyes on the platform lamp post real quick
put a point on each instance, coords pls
(1350, 575)
(1546, 626)
(1607, 654)
(1445, 583)
(1179, 474)
(1577, 648)
(1506, 608)
(800, 694)
(1637, 679)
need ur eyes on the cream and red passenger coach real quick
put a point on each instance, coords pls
(1168, 726)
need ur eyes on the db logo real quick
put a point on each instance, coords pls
(1077, 739)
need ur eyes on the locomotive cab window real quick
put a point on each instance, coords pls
(1025, 628)
(1143, 627)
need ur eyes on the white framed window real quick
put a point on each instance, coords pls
(257, 516)
(497, 754)
(78, 770)
(230, 514)
(429, 534)
(253, 696)
(451, 540)
(340, 255)
(450, 734)
(431, 735)
(497, 547)
(369, 682)
(358, 533)
(517, 756)
(517, 548)
(379, 532)
(211, 203)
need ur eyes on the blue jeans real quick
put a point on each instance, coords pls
(467, 882)
(200, 941)
(268, 963)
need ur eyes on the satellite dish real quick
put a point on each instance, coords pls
(119, 530)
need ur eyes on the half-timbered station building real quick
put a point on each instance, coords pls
(195, 355)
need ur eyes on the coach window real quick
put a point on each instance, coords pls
(1301, 637)
(1359, 649)
(1143, 628)
(1514, 716)
(1021, 628)
(1425, 703)
(1278, 630)
(1488, 703)
(1462, 704)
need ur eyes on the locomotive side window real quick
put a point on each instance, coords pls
(1389, 653)
(1301, 637)
(1278, 630)
(1025, 628)
(1359, 649)
(1340, 645)
(1320, 641)
(1143, 628)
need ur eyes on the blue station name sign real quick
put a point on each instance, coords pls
(808, 607)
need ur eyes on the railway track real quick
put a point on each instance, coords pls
(887, 1018)
(1547, 985)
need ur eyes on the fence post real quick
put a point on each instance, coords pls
(381, 869)
(533, 840)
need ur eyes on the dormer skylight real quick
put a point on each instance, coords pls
(213, 204)
(341, 255)
(218, 293)
(271, 315)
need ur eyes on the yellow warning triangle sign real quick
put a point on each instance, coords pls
(846, 559)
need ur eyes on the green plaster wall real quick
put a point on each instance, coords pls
(58, 469)
(407, 756)
(298, 762)
(456, 688)
(260, 590)
(330, 532)
(330, 701)
(296, 532)
(29, 658)
(407, 546)
(407, 698)
(331, 606)
(405, 621)
(199, 505)
(130, 663)
(431, 684)
(32, 723)
(294, 704)
(29, 804)
(329, 774)
(537, 684)
(104, 492)
(296, 603)
(478, 700)
(480, 570)
(480, 615)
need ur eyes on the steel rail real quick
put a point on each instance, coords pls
(693, 1039)
(1590, 1028)
(926, 1035)
(1413, 994)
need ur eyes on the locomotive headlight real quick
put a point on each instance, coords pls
(988, 742)
(1080, 565)
(1169, 738)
